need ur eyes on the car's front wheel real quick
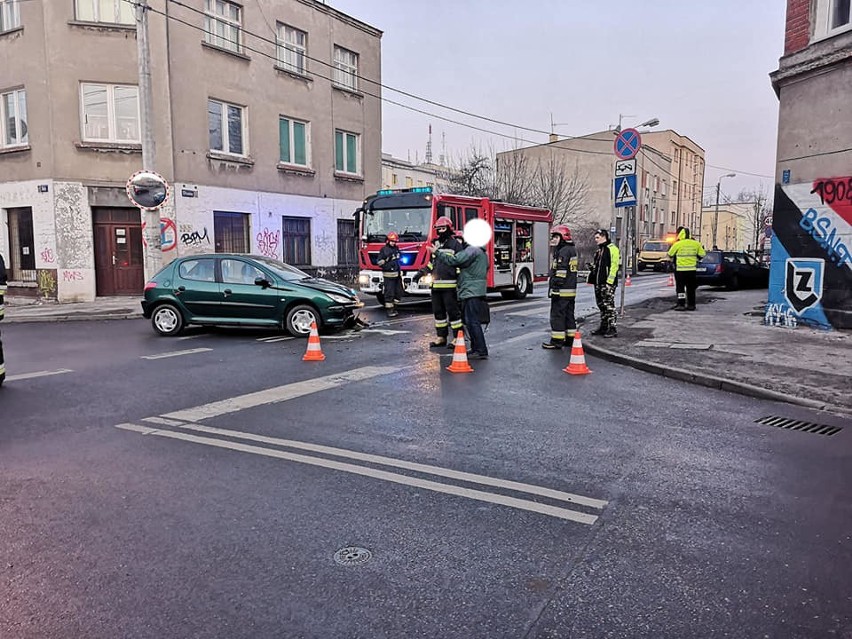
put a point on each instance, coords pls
(299, 319)
(167, 320)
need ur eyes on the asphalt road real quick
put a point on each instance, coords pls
(202, 486)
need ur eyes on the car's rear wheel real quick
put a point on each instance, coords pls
(167, 320)
(299, 319)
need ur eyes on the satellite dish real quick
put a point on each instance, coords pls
(147, 190)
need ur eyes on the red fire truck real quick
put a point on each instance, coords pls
(518, 250)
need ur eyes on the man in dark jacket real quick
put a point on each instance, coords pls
(2, 315)
(472, 263)
(562, 288)
(603, 273)
(391, 273)
(445, 302)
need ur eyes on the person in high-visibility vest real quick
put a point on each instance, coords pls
(2, 315)
(603, 273)
(686, 253)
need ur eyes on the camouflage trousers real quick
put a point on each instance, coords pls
(605, 298)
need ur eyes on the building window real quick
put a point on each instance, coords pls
(292, 49)
(346, 152)
(13, 118)
(231, 232)
(345, 68)
(674, 218)
(222, 25)
(840, 14)
(394, 179)
(409, 181)
(347, 243)
(110, 113)
(296, 240)
(294, 142)
(10, 15)
(113, 11)
(226, 124)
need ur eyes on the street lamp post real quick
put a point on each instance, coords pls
(716, 214)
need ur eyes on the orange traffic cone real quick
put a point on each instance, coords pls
(627, 282)
(577, 363)
(460, 363)
(671, 280)
(314, 352)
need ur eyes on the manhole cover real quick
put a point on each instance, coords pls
(352, 556)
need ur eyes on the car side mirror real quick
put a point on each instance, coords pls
(261, 282)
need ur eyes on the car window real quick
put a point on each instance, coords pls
(240, 272)
(282, 270)
(200, 270)
(712, 257)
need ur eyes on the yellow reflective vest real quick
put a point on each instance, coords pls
(686, 252)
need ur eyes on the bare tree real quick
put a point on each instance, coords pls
(759, 215)
(514, 178)
(474, 175)
(561, 188)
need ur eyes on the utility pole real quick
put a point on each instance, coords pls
(153, 256)
(716, 214)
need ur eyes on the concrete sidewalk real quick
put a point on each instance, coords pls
(724, 344)
(24, 309)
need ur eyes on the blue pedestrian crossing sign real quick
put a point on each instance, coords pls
(625, 190)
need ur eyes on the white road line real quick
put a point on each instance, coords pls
(271, 340)
(542, 311)
(397, 463)
(280, 393)
(479, 495)
(185, 337)
(190, 351)
(12, 378)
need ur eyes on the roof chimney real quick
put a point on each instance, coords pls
(553, 138)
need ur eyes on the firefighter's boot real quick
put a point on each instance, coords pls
(438, 343)
(601, 330)
(392, 312)
(553, 344)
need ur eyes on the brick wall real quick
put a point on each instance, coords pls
(798, 31)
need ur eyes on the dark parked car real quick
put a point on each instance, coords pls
(732, 269)
(244, 290)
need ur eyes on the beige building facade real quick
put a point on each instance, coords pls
(401, 174)
(269, 140)
(734, 230)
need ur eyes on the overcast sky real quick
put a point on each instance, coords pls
(700, 67)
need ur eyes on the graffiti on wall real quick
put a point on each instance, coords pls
(268, 242)
(811, 273)
(46, 281)
(47, 255)
(189, 236)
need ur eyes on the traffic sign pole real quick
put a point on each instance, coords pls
(625, 192)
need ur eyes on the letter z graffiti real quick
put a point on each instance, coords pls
(803, 285)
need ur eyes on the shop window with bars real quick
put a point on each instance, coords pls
(296, 240)
(231, 232)
(347, 243)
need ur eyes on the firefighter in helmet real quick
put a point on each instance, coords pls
(562, 288)
(391, 273)
(445, 303)
(2, 314)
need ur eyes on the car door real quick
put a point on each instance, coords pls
(196, 287)
(242, 299)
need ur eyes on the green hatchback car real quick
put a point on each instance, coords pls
(244, 290)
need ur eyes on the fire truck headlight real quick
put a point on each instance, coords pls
(363, 279)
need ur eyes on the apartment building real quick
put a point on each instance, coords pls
(811, 269)
(731, 227)
(265, 121)
(401, 174)
(670, 180)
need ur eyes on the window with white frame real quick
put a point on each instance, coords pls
(345, 68)
(839, 16)
(115, 11)
(346, 152)
(292, 49)
(294, 141)
(13, 118)
(10, 15)
(110, 112)
(832, 18)
(223, 25)
(227, 127)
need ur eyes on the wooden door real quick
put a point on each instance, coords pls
(119, 267)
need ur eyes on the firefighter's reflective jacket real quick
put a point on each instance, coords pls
(686, 252)
(444, 275)
(563, 271)
(388, 259)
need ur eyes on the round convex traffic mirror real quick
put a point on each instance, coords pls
(147, 190)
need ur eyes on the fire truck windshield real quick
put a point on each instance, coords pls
(411, 224)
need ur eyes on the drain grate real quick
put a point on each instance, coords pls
(797, 424)
(352, 556)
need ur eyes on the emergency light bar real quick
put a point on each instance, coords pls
(416, 189)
